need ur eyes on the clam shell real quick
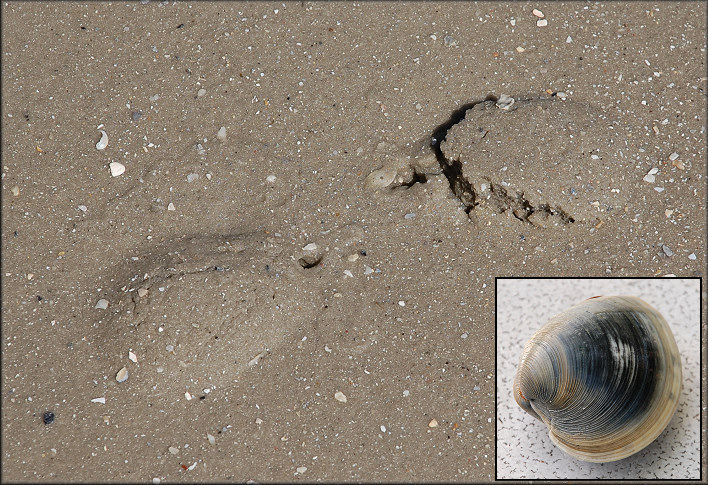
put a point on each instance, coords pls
(604, 375)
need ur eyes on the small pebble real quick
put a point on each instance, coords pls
(101, 304)
(100, 400)
(348, 273)
(310, 247)
(48, 417)
(433, 423)
(221, 134)
(537, 13)
(383, 428)
(116, 169)
(259, 421)
(520, 49)
(136, 115)
(192, 177)
(301, 469)
(410, 215)
(692, 256)
(659, 189)
(83, 208)
(201, 92)
(212, 440)
(339, 396)
(132, 356)
(170, 206)
(541, 23)
(402, 303)
(15, 191)
(270, 179)
(187, 396)
(673, 156)
(667, 250)
(142, 292)
(173, 450)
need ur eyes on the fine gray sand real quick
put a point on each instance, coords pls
(309, 293)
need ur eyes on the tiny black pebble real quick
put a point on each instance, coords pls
(362, 252)
(136, 115)
(48, 417)
(180, 26)
(39, 298)
(201, 398)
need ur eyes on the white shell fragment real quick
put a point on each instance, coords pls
(433, 423)
(100, 400)
(505, 102)
(310, 247)
(122, 375)
(254, 361)
(101, 304)
(103, 142)
(212, 440)
(132, 357)
(221, 134)
(117, 169)
(339, 396)
(537, 13)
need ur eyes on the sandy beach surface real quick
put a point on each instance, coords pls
(286, 251)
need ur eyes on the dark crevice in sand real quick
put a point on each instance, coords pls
(520, 207)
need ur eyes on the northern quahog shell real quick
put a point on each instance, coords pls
(604, 375)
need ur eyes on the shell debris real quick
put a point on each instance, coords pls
(117, 169)
(122, 375)
(103, 142)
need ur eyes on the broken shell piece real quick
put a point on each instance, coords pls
(505, 102)
(103, 142)
(380, 178)
(117, 169)
(339, 396)
(221, 134)
(122, 375)
(101, 304)
(132, 356)
(433, 423)
(254, 361)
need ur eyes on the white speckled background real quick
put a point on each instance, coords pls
(524, 449)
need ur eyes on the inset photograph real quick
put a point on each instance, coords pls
(598, 378)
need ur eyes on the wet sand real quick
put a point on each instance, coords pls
(250, 278)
